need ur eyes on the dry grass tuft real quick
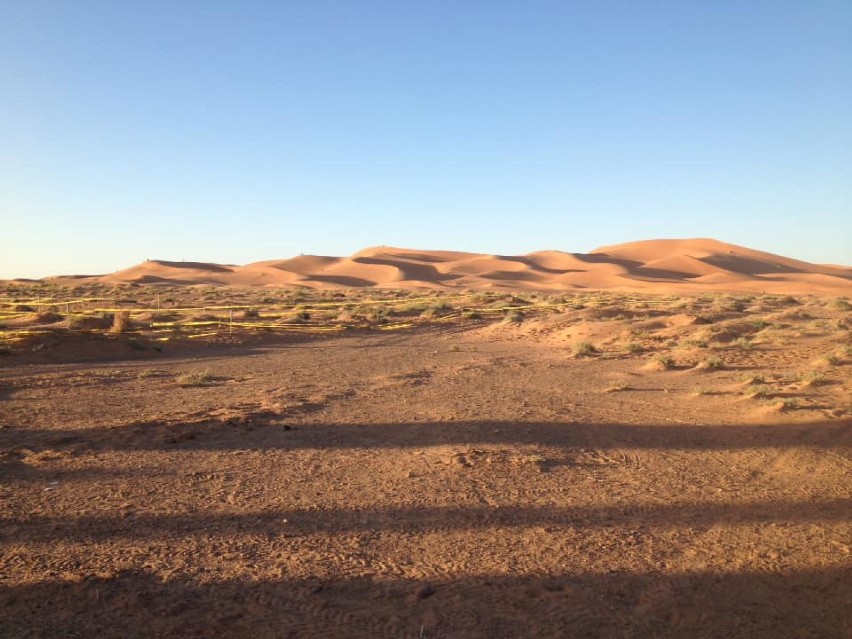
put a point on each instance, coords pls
(196, 378)
(584, 349)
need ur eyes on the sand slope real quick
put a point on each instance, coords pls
(650, 266)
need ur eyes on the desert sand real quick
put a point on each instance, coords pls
(377, 448)
(650, 266)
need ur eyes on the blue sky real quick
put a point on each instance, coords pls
(242, 131)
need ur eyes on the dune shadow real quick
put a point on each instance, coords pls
(637, 269)
(532, 264)
(409, 270)
(340, 280)
(747, 266)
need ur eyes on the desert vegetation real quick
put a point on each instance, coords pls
(379, 459)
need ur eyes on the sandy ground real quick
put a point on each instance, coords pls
(448, 481)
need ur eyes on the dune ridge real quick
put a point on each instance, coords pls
(664, 265)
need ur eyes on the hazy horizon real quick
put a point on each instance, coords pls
(230, 133)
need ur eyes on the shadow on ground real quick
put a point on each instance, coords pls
(265, 431)
(812, 603)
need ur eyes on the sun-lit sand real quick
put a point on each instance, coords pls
(649, 440)
(651, 266)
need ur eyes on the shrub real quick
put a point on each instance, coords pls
(840, 304)
(196, 378)
(714, 362)
(745, 344)
(665, 361)
(584, 349)
(762, 391)
(813, 378)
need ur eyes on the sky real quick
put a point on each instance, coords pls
(235, 131)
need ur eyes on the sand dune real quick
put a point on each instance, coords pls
(650, 266)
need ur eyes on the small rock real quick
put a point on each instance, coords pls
(423, 592)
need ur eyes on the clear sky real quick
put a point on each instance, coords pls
(241, 131)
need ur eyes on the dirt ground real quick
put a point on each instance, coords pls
(511, 479)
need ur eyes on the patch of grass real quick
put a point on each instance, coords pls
(633, 347)
(813, 378)
(723, 304)
(584, 349)
(196, 378)
(514, 317)
(694, 343)
(760, 324)
(787, 300)
(745, 344)
(790, 403)
(665, 361)
(714, 362)
(761, 391)
(840, 304)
